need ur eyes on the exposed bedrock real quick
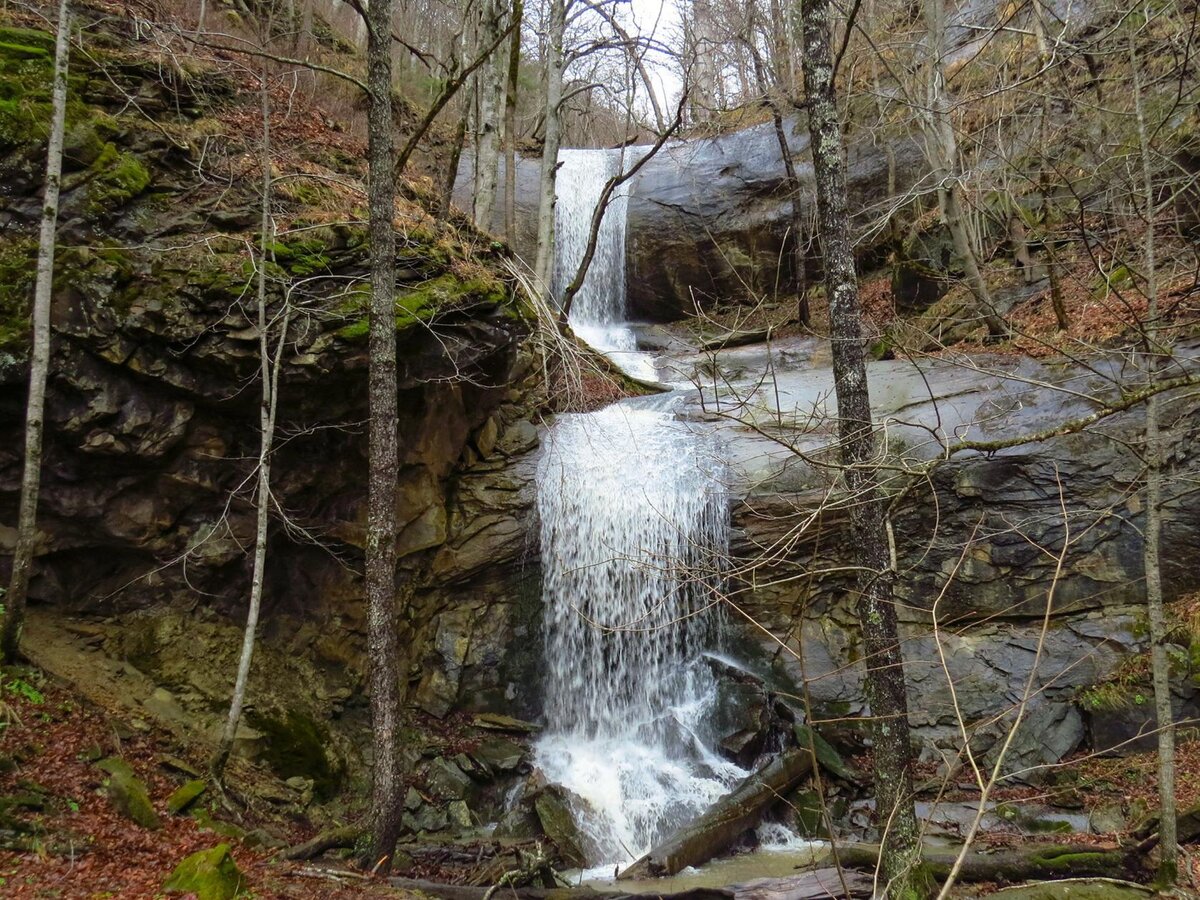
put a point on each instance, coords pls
(1029, 558)
(711, 220)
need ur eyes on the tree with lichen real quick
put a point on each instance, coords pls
(382, 640)
(18, 587)
(900, 857)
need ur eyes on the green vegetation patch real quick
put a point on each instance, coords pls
(422, 302)
(18, 272)
(119, 177)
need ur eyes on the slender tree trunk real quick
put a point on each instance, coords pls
(544, 265)
(1168, 864)
(943, 148)
(1056, 294)
(456, 148)
(491, 90)
(18, 586)
(382, 644)
(799, 259)
(900, 860)
(268, 404)
(510, 124)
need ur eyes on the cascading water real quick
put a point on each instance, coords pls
(598, 310)
(634, 527)
(598, 313)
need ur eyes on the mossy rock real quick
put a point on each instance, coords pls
(209, 874)
(296, 745)
(120, 176)
(128, 794)
(185, 796)
(554, 813)
(204, 818)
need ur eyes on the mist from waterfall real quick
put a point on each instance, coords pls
(634, 529)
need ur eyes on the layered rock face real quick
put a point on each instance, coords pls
(712, 221)
(147, 510)
(1017, 569)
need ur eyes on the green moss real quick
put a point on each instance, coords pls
(208, 875)
(295, 745)
(301, 258)
(18, 271)
(119, 177)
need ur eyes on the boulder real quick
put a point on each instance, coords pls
(553, 809)
(447, 781)
(708, 219)
(128, 793)
(185, 796)
(208, 874)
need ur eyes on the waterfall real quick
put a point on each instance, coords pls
(634, 527)
(598, 310)
(598, 313)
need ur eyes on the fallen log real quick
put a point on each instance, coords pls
(1011, 865)
(326, 840)
(703, 838)
(817, 884)
(735, 339)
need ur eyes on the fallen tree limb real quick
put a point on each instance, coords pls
(700, 840)
(817, 884)
(1032, 861)
(734, 339)
(326, 840)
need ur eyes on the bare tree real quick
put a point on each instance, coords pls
(1160, 664)
(942, 149)
(555, 62)
(885, 684)
(269, 368)
(491, 81)
(382, 639)
(18, 587)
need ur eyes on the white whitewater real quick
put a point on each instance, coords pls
(634, 528)
(598, 312)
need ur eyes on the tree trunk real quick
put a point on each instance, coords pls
(1168, 865)
(943, 148)
(1011, 865)
(491, 89)
(725, 821)
(510, 124)
(544, 264)
(876, 608)
(268, 404)
(456, 148)
(1056, 294)
(382, 645)
(18, 586)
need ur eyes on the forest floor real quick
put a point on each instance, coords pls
(76, 844)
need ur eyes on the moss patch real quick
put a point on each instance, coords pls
(209, 875)
(119, 177)
(18, 271)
